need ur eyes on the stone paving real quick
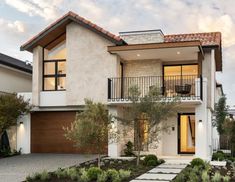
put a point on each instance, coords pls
(162, 173)
(15, 169)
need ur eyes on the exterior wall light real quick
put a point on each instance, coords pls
(21, 123)
(200, 121)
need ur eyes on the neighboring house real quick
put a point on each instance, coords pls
(75, 59)
(15, 76)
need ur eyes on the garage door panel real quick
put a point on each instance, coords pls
(47, 134)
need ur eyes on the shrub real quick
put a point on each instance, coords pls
(124, 174)
(44, 176)
(197, 162)
(129, 149)
(218, 156)
(226, 178)
(93, 173)
(113, 175)
(35, 176)
(205, 177)
(217, 177)
(160, 161)
(60, 173)
(151, 163)
(72, 173)
(84, 176)
(150, 157)
(102, 177)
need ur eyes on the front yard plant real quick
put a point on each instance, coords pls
(201, 171)
(111, 170)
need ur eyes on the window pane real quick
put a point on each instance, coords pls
(49, 83)
(61, 67)
(189, 70)
(61, 83)
(172, 70)
(57, 52)
(49, 68)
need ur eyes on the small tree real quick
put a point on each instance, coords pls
(229, 133)
(11, 108)
(90, 128)
(154, 107)
(221, 112)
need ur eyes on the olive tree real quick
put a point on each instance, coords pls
(11, 108)
(156, 109)
(90, 128)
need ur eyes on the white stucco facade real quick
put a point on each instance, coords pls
(89, 64)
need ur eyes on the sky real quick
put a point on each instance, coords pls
(22, 19)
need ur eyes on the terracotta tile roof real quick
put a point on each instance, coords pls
(207, 39)
(75, 17)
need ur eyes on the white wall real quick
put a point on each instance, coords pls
(14, 81)
(24, 130)
(55, 98)
(89, 65)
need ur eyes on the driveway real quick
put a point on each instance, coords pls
(16, 168)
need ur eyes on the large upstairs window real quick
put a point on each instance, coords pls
(54, 67)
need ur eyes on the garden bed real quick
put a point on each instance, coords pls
(112, 169)
(200, 171)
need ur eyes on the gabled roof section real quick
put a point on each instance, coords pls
(58, 28)
(15, 63)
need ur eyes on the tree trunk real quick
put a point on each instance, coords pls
(138, 142)
(99, 160)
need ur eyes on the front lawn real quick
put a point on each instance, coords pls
(116, 170)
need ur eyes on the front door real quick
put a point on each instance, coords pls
(186, 133)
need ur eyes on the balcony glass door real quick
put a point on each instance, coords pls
(179, 80)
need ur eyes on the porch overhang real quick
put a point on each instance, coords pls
(168, 51)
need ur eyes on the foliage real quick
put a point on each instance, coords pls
(151, 163)
(218, 156)
(113, 175)
(153, 107)
(90, 128)
(72, 173)
(129, 149)
(205, 176)
(102, 177)
(151, 160)
(44, 176)
(226, 178)
(197, 162)
(221, 111)
(60, 173)
(217, 177)
(84, 176)
(124, 174)
(11, 108)
(229, 132)
(93, 173)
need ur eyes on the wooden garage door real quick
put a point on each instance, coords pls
(47, 134)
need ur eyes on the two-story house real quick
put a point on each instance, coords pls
(75, 59)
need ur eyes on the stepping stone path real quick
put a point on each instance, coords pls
(162, 173)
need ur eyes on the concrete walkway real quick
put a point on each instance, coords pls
(15, 169)
(164, 172)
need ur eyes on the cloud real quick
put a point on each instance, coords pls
(12, 26)
(47, 9)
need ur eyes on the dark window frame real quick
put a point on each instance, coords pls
(55, 76)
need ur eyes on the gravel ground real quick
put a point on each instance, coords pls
(15, 169)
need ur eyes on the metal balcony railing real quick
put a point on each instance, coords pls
(184, 86)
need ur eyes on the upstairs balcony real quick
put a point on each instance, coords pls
(185, 87)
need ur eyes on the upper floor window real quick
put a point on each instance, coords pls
(54, 67)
